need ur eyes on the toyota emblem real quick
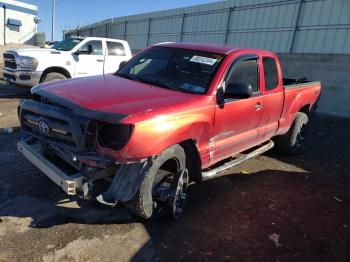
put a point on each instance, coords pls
(43, 127)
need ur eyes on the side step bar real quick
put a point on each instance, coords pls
(220, 170)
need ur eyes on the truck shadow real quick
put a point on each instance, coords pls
(13, 91)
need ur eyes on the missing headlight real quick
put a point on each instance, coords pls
(114, 136)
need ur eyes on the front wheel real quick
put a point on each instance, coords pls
(164, 188)
(50, 77)
(293, 142)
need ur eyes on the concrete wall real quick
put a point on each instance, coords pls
(334, 73)
(24, 34)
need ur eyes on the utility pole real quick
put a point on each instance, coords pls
(53, 21)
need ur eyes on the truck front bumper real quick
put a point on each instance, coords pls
(70, 184)
(22, 77)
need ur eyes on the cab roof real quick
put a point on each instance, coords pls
(209, 47)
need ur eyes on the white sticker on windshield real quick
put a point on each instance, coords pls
(203, 60)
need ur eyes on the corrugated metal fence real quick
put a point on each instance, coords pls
(284, 26)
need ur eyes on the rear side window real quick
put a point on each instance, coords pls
(115, 48)
(271, 74)
(246, 71)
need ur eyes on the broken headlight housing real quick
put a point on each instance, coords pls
(113, 136)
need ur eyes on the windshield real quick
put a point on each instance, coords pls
(173, 68)
(67, 44)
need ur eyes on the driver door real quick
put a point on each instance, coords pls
(90, 59)
(237, 119)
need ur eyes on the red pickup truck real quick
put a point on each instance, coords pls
(176, 113)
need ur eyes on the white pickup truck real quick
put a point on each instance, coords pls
(72, 57)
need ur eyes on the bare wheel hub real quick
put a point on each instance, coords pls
(169, 195)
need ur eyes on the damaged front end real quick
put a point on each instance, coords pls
(64, 140)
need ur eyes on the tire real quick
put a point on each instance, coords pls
(50, 77)
(143, 203)
(292, 143)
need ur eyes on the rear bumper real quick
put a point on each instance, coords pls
(22, 77)
(69, 184)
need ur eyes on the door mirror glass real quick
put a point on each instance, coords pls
(238, 90)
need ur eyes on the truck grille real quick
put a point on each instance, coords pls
(10, 61)
(52, 129)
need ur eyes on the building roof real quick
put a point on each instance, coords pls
(18, 4)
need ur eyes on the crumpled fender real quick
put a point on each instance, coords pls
(126, 182)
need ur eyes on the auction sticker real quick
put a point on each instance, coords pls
(203, 60)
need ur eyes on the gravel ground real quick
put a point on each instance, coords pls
(278, 209)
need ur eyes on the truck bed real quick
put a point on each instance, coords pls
(290, 83)
(299, 93)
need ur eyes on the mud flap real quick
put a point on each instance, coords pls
(125, 183)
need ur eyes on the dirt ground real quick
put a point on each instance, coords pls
(280, 209)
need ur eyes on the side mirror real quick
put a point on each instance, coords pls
(238, 90)
(220, 96)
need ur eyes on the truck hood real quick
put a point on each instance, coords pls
(116, 95)
(33, 51)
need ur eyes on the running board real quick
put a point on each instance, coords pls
(220, 170)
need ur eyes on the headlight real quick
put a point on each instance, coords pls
(114, 136)
(27, 62)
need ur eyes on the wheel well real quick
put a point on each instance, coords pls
(55, 69)
(170, 165)
(305, 109)
(193, 160)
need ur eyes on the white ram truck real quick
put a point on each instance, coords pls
(72, 57)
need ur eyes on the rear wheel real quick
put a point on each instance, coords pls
(293, 142)
(50, 77)
(164, 188)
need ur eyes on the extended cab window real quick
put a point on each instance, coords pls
(96, 47)
(115, 48)
(245, 72)
(173, 68)
(271, 73)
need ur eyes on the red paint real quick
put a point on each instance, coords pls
(164, 117)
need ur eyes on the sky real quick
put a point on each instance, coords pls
(73, 13)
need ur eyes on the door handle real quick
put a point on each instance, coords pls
(99, 60)
(258, 106)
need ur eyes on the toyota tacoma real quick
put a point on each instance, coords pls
(176, 114)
